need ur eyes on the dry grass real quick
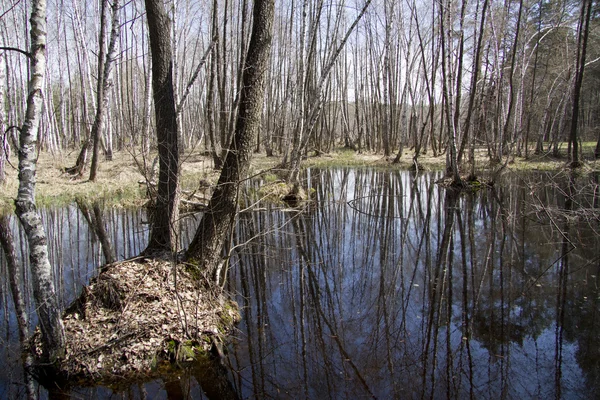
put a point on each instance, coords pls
(118, 180)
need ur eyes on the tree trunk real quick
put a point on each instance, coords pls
(584, 24)
(53, 336)
(210, 97)
(165, 218)
(312, 112)
(4, 147)
(448, 112)
(15, 277)
(206, 247)
(105, 65)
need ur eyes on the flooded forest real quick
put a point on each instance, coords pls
(299, 199)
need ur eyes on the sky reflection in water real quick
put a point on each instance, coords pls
(387, 286)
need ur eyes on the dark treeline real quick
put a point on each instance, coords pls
(437, 77)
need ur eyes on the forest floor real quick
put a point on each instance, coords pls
(120, 182)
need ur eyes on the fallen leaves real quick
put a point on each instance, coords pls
(151, 303)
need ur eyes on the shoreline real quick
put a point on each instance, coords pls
(118, 183)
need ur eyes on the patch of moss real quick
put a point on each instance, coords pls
(229, 316)
(183, 352)
(191, 267)
(274, 191)
(188, 351)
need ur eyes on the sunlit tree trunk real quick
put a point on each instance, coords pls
(473, 93)
(447, 80)
(206, 247)
(165, 217)
(387, 78)
(106, 58)
(511, 92)
(300, 92)
(313, 110)
(53, 336)
(105, 65)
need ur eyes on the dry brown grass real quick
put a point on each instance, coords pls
(118, 180)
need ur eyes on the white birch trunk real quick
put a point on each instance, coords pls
(53, 336)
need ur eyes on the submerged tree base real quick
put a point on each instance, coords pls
(136, 317)
(470, 182)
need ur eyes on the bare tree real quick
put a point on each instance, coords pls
(449, 99)
(582, 39)
(106, 59)
(311, 114)
(473, 92)
(105, 67)
(165, 217)
(53, 336)
(206, 247)
(210, 97)
(4, 147)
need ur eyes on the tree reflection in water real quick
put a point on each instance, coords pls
(389, 286)
(385, 285)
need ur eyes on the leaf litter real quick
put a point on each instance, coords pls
(138, 314)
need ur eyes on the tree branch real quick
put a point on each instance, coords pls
(195, 75)
(26, 53)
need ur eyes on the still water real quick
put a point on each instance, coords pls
(386, 285)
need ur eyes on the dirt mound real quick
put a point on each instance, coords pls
(138, 314)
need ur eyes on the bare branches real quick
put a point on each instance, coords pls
(194, 76)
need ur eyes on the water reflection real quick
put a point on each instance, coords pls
(385, 285)
(80, 238)
(392, 287)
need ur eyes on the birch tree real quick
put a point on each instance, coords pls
(106, 59)
(105, 67)
(4, 147)
(311, 112)
(53, 336)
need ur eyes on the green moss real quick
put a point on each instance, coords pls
(183, 352)
(187, 351)
(171, 346)
(274, 191)
(230, 315)
(191, 267)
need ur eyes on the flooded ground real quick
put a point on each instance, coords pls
(386, 285)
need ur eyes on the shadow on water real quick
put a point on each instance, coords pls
(384, 286)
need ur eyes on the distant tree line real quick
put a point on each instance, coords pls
(438, 77)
